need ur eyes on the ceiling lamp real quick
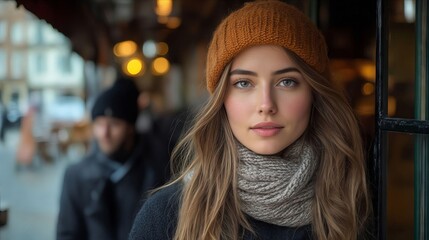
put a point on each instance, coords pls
(164, 7)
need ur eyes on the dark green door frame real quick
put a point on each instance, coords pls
(385, 124)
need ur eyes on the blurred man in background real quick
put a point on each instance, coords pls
(103, 191)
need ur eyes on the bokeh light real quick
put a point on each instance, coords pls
(162, 48)
(125, 48)
(164, 7)
(133, 67)
(368, 88)
(149, 49)
(160, 66)
(173, 22)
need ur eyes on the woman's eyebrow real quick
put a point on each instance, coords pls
(286, 70)
(242, 72)
(247, 72)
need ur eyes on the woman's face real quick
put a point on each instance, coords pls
(268, 101)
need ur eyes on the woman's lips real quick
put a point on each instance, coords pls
(266, 129)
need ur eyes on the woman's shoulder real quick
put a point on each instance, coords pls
(157, 218)
(166, 197)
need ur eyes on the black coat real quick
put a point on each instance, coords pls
(157, 220)
(95, 207)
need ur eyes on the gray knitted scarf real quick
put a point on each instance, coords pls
(276, 189)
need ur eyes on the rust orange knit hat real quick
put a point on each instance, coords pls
(265, 22)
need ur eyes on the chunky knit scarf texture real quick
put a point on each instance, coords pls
(278, 189)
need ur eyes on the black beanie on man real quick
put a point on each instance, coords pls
(118, 101)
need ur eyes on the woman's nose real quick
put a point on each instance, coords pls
(267, 104)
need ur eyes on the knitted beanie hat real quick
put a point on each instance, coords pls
(118, 101)
(265, 22)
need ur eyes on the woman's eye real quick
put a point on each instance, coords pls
(288, 83)
(242, 84)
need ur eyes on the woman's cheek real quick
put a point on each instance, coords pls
(298, 107)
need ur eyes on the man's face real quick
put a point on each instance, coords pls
(111, 133)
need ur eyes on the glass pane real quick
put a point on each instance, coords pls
(3, 29)
(3, 63)
(348, 27)
(17, 33)
(64, 62)
(421, 186)
(41, 63)
(17, 65)
(402, 39)
(400, 186)
(422, 106)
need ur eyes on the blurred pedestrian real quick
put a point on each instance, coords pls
(102, 192)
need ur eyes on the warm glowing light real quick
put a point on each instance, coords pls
(162, 48)
(160, 66)
(391, 106)
(125, 48)
(368, 88)
(173, 22)
(365, 106)
(367, 70)
(133, 67)
(163, 19)
(164, 7)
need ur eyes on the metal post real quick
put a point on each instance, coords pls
(421, 165)
(380, 163)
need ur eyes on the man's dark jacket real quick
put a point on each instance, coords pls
(99, 201)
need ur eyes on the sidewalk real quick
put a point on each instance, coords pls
(32, 194)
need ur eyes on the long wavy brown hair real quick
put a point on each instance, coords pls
(206, 160)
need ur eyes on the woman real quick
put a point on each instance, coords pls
(276, 151)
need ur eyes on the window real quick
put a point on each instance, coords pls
(3, 64)
(41, 63)
(33, 32)
(17, 65)
(64, 62)
(39, 32)
(3, 29)
(17, 33)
